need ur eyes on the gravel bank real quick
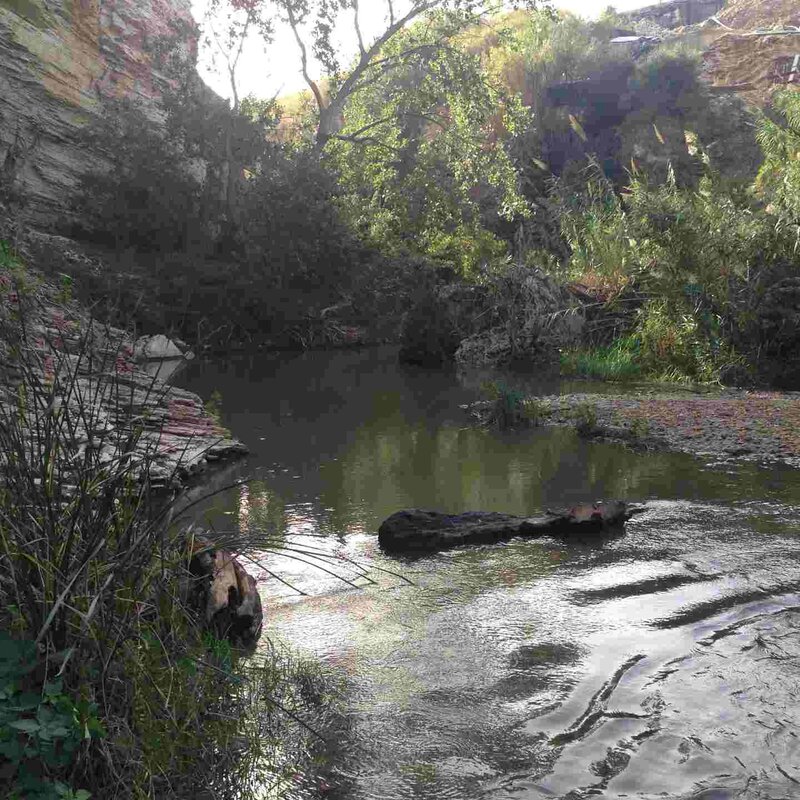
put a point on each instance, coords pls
(756, 426)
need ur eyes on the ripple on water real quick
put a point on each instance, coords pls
(509, 671)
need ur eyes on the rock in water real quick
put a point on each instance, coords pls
(228, 597)
(414, 530)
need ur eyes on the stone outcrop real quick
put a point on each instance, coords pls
(60, 60)
(158, 347)
(414, 530)
(110, 404)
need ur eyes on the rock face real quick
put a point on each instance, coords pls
(111, 406)
(415, 530)
(154, 348)
(59, 61)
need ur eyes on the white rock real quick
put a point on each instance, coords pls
(149, 348)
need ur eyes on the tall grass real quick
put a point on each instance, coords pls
(617, 362)
(109, 685)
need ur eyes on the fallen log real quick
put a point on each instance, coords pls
(414, 530)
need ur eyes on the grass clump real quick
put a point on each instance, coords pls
(507, 406)
(536, 411)
(617, 362)
(584, 417)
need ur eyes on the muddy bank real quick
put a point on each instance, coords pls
(755, 426)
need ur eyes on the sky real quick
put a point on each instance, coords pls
(276, 71)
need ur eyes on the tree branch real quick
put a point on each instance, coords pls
(293, 23)
(343, 137)
(375, 47)
(358, 28)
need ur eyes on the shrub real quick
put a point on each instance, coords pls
(508, 406)
(94, 586)
(584, 417)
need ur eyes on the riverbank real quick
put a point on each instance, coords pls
(731, 424)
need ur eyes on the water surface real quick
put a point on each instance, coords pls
(659, 663)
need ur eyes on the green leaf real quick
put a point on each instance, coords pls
(54, 688)
(30, 726)
(577, 127)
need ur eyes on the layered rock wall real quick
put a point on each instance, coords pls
(60, 60)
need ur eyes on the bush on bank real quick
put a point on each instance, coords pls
(109, 685)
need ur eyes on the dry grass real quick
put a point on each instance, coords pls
(750, 15)
(749, 64)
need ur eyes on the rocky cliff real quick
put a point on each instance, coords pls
(60, 60)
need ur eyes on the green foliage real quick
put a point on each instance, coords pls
(9, 260)
(616, 362)
(98, 596)
(536, 411)
(779, 178)
(639, 428)
(244, 260)
(421, 158)
(694, 253)
(508, 406)
(41, 727)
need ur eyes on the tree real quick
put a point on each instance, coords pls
(372, 63)
(779, 178)
(421, 157)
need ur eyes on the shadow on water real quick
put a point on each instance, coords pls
(663, 662)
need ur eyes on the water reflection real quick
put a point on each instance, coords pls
(658, 663)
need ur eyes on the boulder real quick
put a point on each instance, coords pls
(158, 347)
(415, 530)
(228, 597)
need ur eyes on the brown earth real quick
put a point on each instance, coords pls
(751, 65)
(750, 15)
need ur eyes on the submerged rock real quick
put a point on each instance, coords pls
(415, 530)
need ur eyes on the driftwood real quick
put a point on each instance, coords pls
(414, 530)
(225, 593)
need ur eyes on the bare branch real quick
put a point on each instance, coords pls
(358, 28)
(293, 23)
(375, 47)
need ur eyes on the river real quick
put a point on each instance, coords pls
(661, 663)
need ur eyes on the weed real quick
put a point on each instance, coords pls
(213, 407)
(639, 428)
(536, 411)
(584, 417)
(507, 406)
(93, 587)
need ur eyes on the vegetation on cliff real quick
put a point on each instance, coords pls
(466, 146)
